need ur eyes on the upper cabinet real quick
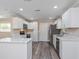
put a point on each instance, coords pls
(70, 19)
(30, 25)
(66, 19)
(75, 17)
(18, 23)
(59, 23)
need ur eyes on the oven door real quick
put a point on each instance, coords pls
(57, 45)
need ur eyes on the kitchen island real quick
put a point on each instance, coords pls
(68, 46)
(16, 48)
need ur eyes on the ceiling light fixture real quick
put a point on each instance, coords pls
(21, 9)
(27, 0)
(50, 17)
(32, 18)
(55, 6)
(37, 10)
(1, 16)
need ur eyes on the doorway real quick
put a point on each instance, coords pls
(43, 31)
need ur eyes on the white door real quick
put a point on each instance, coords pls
(43, 31)
(35, 31)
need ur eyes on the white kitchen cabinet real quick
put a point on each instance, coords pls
(29, 50)
(18, 23)
(16, 50)
(69, 49)
(75, 17)
(30, 25)
(66, 19)
(59, 23)
(70, 18)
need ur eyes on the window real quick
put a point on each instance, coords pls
(5, 27)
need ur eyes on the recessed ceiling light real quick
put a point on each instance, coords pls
(50, 17)
(37, 10)
(21, 9)
(55, 6)
(27, 0)
(1, 16)
(32, 18)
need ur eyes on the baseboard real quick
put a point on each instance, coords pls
(41, 41)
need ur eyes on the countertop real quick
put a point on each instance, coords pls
(68, 37)
(15, 40)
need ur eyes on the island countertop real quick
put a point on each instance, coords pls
(15, 48)
(68, 37)
(15, 40)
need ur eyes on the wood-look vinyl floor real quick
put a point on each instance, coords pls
(42, 50)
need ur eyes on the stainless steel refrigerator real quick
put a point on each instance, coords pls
(52, 31)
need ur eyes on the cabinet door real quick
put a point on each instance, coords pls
(29, 50)
(59, 23)
(30, 25)
(71, 18)
(70, 50)
(13, 51)
(17, 23)
(75, 17)
(66, 19)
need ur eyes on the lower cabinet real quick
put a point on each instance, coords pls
(16, 50)
(29, 50)
(69, 49)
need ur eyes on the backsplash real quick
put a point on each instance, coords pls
(5, 34)
(17, 34)
(73, 31)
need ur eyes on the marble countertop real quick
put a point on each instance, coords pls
(68, 37)
(15, 40)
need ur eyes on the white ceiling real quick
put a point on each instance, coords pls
(29, 7)
(76, 4)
